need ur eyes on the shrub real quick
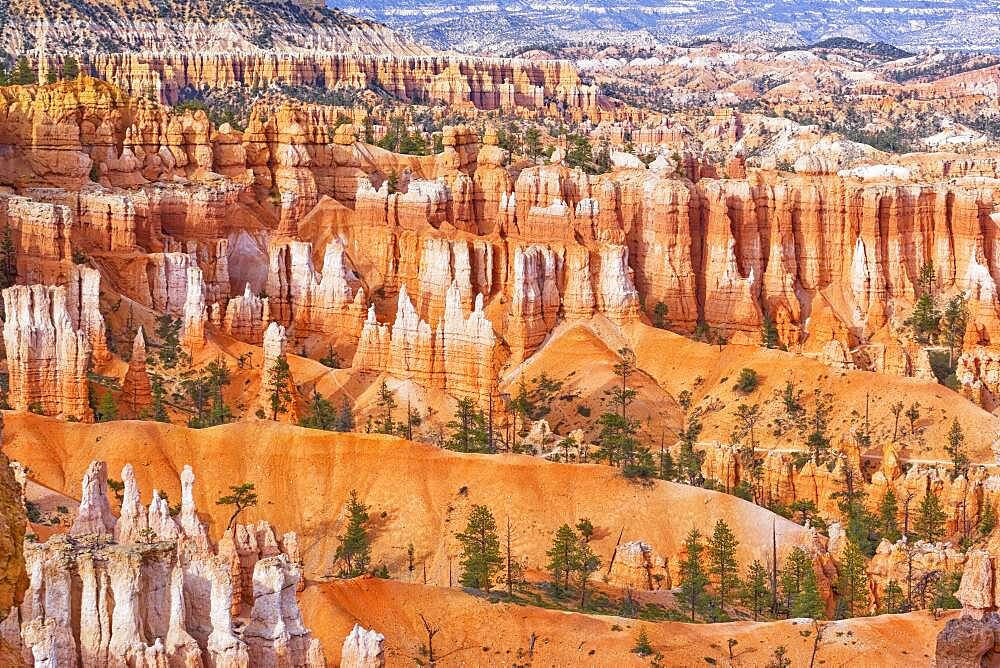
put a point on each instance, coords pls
(747, 381)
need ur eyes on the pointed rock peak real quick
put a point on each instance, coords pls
(371, 314)
(94, 515)
(187, 489)
(479, 303)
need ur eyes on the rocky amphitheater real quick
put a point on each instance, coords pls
(321, 347)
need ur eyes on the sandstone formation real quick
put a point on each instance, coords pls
(277, 398)
(157, 595)
(461, 355)
(362, 649)
(48, 352)
(13, 579)
(136, 396)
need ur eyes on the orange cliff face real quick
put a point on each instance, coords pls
(230, 231)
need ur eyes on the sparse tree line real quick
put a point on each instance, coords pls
(713, 585)
(24, 74)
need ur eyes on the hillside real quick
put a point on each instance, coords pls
(476, 632)
(511, 26)
(417, 493)
(95, 26)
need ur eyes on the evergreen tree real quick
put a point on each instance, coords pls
(642, 646)
(587, 563)
(278, 394)
(158, 409)
(944, 591)
(925, 319)
(793, 574)
(769, 334)
(912, 415)
(23, 74)
(168, 331)
(563, 557)
(481, 559)
(240, 497)
(386, 405)
(70, 68)
(320, 414)
(345, 420)
(953, 322)
(888, 511)
(354, 550)
(929, 523)
(107, 409)
(722, 561)
(852, 584)
(818, 441)
(668, 470)
(660, 315)
(689, 461)
(892, 599)
(468, 430)
(808, 603)
(8, 260)
(693, 577)
(956, 448)
(218, 377)
(987, 520)
(755, 592)
(533, 142)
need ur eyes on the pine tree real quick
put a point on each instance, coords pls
(793, 573)
(944, 591)
(642, 646)
(689, 461)
(722, 561)
(168, 331)
(888, 511)
(929, 523)
(808, 603)
(693, 577)
(158, 409)
(23, 74)
(755, 593)
(987, 520)
(278, 394)
(345, 420)
(70, 68)
(852, 584)
(8, 260)
(952, 323)
(320, 414)
(107, 409)
(386, 405)
(563, 557)
(892, 599)
(956, 448)
(240, 497)
(355, 548)
(468, 429)
(481, 559)
(769, 334)
(587, 563)
(668, 470)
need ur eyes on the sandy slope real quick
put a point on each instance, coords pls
(675, 362)
(417, 493)
(477, 632)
